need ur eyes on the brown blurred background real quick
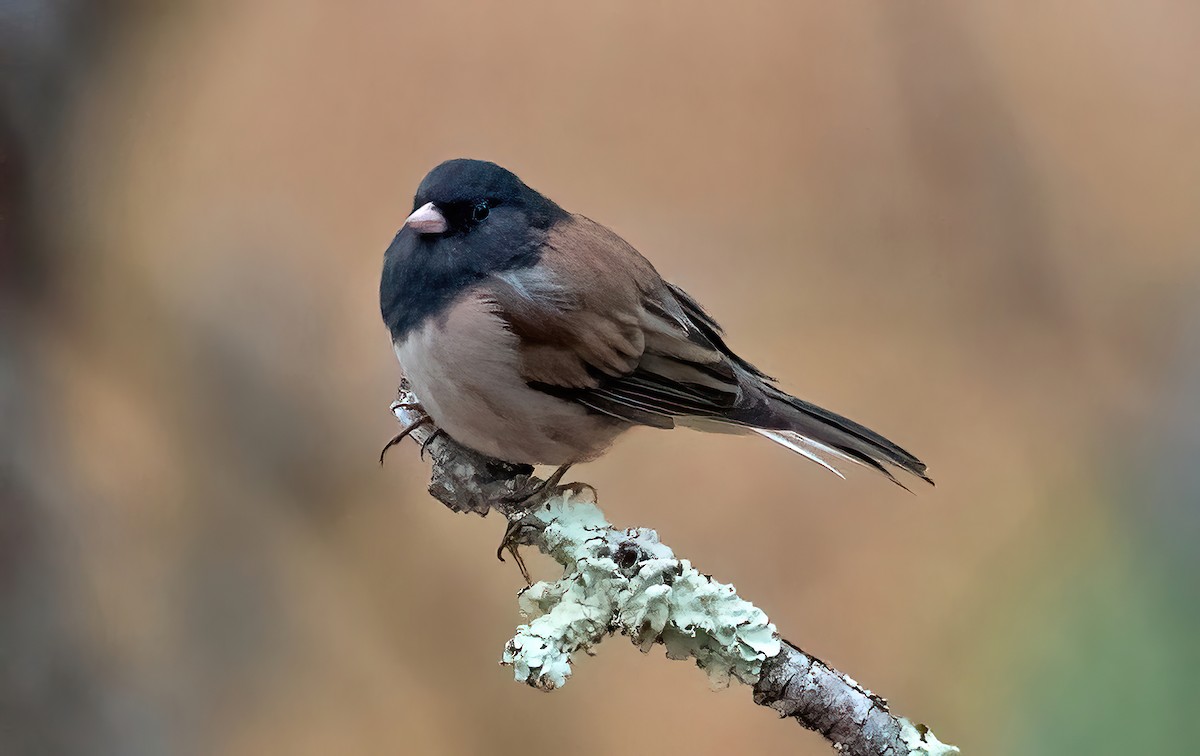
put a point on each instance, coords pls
(973, 228)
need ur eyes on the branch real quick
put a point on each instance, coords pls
(627, 581)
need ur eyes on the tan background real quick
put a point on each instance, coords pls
(972, 228)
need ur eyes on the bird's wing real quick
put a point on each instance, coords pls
(598, 326)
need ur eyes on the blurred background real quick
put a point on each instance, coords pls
(973, 228)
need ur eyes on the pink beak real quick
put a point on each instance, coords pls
(427, 219)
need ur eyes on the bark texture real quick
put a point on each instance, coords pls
(855, 720)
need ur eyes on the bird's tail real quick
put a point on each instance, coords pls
(826, 437)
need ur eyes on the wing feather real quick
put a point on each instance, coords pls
(629, 348)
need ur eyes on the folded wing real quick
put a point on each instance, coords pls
(627, 347)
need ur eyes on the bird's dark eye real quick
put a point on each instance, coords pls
(480, 212)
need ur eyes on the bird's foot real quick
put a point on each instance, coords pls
(527, 497)
(423, 420)
(531, 493)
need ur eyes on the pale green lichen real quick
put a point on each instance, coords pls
(921, 741)
(626, 581)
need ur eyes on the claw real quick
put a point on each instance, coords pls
(423, 420)
(509, 543)
(437, 432)
(511, 548)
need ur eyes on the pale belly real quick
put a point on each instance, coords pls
(464, 368)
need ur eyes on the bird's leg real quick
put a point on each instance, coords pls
(423, 420)
(424, 444)
(524, 499)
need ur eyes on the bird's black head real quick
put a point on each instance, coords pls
(467, 193)
(470, 219)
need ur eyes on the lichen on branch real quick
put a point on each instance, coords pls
(629, 582)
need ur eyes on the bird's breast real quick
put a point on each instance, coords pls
(464, 366)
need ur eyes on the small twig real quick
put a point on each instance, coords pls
(627, 581)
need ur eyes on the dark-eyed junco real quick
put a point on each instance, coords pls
(537, 336)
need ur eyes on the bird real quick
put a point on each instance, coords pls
(537, 336)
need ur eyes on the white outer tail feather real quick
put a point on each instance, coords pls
(807, 447)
